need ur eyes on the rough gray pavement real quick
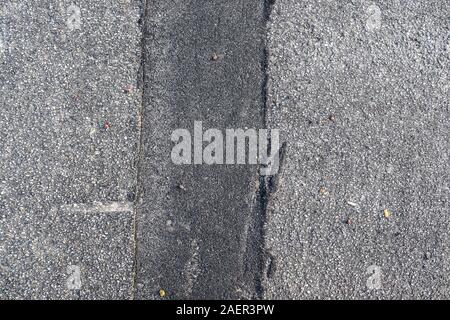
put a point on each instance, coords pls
(362, 103)
(68, 137)
(92, 207)
(204, 61)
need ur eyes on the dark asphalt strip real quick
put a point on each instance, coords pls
(198, 226)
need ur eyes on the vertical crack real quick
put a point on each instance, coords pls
(268, 185)
(140, 155)
(265, 61)
(264, 263)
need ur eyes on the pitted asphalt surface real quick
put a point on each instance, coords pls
(358, 90)
(68, 140)
(363, 107)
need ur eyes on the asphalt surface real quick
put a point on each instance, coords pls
(92, 207)
(68, 137)
(204, 62)
(363, 108)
